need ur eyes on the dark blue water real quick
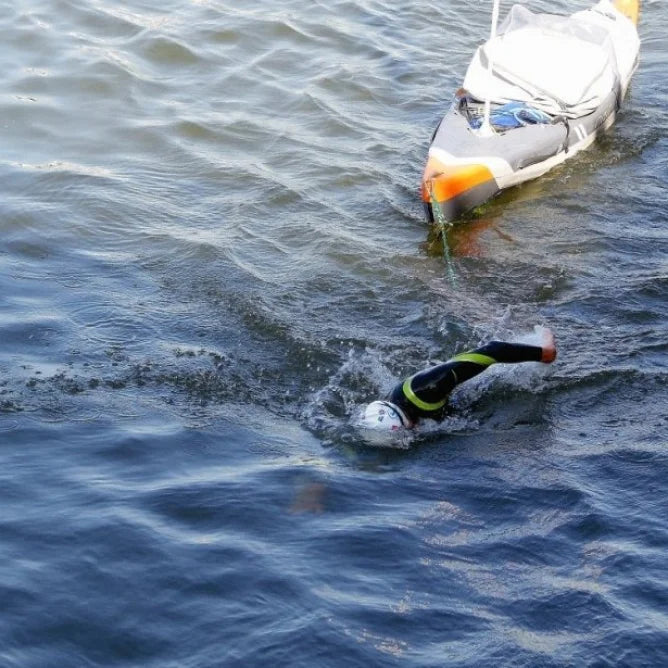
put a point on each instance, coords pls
(213, 255)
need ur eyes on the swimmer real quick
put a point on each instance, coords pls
(425, 394)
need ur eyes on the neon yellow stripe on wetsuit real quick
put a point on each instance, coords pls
(475, 358)
(416, 401)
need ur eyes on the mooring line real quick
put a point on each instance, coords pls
(444, 225)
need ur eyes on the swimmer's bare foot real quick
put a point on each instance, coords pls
(549, 347)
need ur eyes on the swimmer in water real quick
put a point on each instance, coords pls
(425, 394)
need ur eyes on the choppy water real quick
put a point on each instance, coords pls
(213, 254)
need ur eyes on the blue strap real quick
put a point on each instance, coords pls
(514, 115)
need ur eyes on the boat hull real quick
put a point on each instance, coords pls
(466, 167)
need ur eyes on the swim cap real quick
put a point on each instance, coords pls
(384, 415)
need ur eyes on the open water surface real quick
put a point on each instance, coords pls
(213, 255)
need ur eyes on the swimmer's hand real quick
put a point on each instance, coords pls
(549, 347)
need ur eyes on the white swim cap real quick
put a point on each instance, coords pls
(384, 415)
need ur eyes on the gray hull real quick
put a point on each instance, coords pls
(511, 157)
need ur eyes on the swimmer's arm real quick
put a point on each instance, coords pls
(507, 353)
(467, 365)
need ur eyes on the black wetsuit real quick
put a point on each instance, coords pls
(426, 393)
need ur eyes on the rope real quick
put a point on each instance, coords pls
(444, 226)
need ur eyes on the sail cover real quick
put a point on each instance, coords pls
(563, 65)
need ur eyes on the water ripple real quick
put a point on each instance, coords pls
(214, 256)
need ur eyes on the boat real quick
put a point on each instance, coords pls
(541, 89)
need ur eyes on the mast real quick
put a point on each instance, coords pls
(486, 129)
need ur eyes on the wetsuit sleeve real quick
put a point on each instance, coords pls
(426, 393)
(470, 364)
